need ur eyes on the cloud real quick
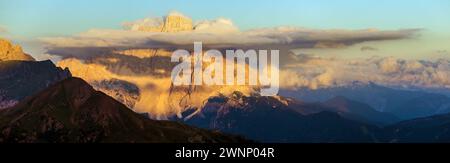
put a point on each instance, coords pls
(317, 72)
(222, 32)
(282, 38)
(220, 25)
(143, 23)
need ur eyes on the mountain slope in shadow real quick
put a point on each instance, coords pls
(20, 79)
(270, 119)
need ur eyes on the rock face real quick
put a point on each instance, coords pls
(71, 111)
(174, 22)
(19, 79)
(122, 91)
(8, 51)
(177, 23)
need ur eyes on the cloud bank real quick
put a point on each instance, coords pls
(317, 72)
(222, 32)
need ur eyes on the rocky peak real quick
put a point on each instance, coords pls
(9, 51)
(173, 22)
(176, 22)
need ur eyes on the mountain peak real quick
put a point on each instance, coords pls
(9, 51)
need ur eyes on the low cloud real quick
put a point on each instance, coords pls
(219, 26)
(316, 72)
(289, 37)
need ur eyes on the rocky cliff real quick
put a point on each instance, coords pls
(177, 23)
(173, 22)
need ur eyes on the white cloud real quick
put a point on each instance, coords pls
(220, 25)
(316, 72)
(147, 22)
(222, 32)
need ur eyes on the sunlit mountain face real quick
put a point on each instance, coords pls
(352, 77)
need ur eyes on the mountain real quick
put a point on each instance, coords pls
(19, 79)
(8, 52)
(270, 119)
(434, 129)
(275, 119)
(344, 107)
(359, 111)
(72, 111)
(404, 104)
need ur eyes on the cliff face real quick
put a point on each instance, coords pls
(177, 23)
(173, 22)
(8, 51)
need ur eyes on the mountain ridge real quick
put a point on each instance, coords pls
(72, 111)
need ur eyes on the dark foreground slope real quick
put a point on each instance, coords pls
(72, 111)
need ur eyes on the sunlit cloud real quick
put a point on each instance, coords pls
(317, 72)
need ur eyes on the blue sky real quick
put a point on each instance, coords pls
(56, 17)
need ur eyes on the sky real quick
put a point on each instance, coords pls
(31, 19)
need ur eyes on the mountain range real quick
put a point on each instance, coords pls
(72, 111)
(404, 104)
(44, 103)
(269, 119)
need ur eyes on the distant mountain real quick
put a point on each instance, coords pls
(404, 104)
(270, 119)
(359, 111)
(72, 111)
(275, 119)
(9, 52)
(19, 79)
